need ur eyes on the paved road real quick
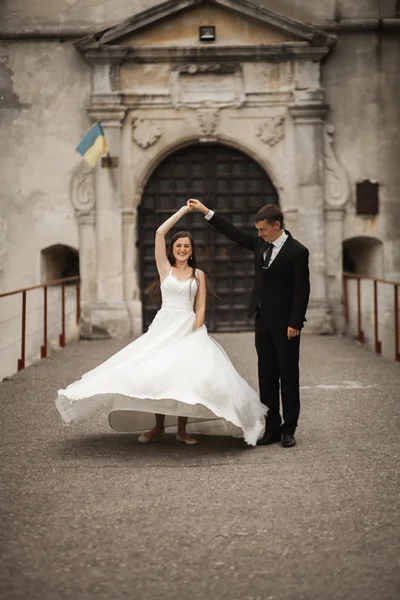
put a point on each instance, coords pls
(88, 514)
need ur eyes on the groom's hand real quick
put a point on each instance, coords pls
(197, 205)
(291, 333)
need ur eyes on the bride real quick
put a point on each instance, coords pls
(175, 370)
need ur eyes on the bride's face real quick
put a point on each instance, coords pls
(182, 250)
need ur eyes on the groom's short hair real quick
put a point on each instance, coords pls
(270, 213)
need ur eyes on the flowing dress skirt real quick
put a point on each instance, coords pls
(170, 370)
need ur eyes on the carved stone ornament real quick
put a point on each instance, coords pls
(82, 193)
(145, 133)
(271, 131)
(337, 188)
(208, 121)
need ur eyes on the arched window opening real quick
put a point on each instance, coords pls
(58, 262)
(363, 256)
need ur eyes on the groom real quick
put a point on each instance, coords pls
(279, 302)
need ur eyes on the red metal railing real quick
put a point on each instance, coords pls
(360, 332)
(23, 291)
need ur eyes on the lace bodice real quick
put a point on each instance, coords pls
(178, 295)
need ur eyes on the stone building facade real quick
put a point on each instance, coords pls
(302, 93)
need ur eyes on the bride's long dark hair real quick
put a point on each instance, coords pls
(154, 289)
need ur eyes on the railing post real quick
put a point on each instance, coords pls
(78, 302)
(21, 361)
(43, 349)
(396, 323)
(360, 331)
(378, 343)
(62, 334)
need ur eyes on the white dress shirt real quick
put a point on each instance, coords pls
(278, 243)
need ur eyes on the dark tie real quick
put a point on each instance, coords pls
(268, 256)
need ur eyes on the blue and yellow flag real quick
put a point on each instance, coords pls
(93, 145)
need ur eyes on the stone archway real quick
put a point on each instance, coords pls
(59, 261)
(234, 184)
(363, 255)
(262, 96)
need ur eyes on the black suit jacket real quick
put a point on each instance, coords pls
(280, 294)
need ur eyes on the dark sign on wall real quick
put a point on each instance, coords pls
(367, 197)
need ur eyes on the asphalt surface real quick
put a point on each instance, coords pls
(88, 513)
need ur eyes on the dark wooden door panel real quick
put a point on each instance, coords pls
(225, 180)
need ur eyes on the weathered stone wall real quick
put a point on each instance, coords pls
(86, 14)
(45, 90)
(361, 80)
(71, 13)
(42, 115)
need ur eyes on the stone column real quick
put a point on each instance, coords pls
(82, 197)
(334, 218)
(131, 283)
(336, 196)
(87, 267)
(290, 221)
(308, 114)
(109, 311)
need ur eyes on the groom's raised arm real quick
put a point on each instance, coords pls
(243, 238)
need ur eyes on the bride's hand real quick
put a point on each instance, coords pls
(197, 205)
(187, 209)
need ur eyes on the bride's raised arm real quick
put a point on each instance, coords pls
(162, 261)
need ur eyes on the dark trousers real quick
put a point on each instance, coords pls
(278, 363)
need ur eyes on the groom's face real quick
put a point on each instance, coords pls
(268, 231)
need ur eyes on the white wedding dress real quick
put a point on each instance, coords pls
(172, 370)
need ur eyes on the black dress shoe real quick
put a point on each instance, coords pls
(270, 437)
(288, 440)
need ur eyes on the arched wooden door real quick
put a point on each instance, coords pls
(228, 181)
